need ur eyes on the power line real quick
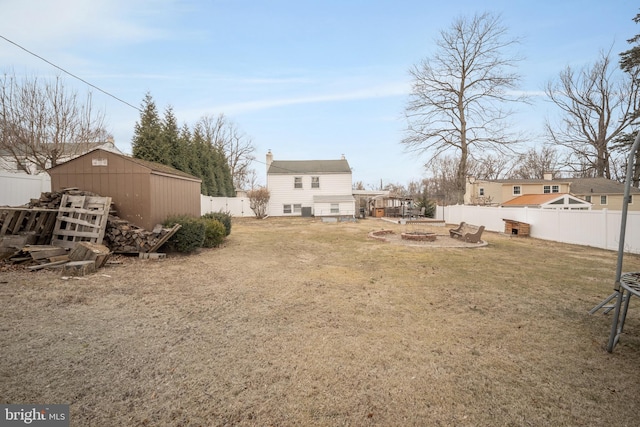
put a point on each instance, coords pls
(71, 74)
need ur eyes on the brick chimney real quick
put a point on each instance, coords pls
(269, 159)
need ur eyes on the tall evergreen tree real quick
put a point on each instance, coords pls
(186, 142)
(204, 163)
(146, 143)
(171, 140)
(222, 172)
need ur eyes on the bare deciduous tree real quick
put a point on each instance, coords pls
(459, 95)
(598, 104)
(237, 146)
(42, 122)
(490, 167)
(535, 163)
(441, 184)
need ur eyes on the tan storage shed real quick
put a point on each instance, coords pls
(144, 193)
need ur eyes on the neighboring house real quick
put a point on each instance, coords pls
(309, 187)
(601, 193)
(604, 193)
(71, 150)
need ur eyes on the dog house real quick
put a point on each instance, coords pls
(516, 228)
(143, 193)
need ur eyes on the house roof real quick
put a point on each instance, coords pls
(598, 186)
(529, 181)
(154, 167)
(74, 149)
(547, 200)
(308, 166)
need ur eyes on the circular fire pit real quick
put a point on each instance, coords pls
(420, 236)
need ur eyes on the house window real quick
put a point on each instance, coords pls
(517, 190)
(286, 209)
(297, 182)
(555, 188)
(548, 189)
(603, 200)
(335, 208)
(315, 182)
(481, 191)
(587, 198)
(297, 208)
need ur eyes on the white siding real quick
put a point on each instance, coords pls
(17, 189)
(283, 193)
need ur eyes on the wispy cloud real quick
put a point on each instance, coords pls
(380, 91)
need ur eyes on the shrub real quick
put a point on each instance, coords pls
(223, 217)
(259, 201)
(190, 236)
(214, 232)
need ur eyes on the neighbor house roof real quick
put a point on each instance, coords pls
(71, 149)
(529, 181)
(598, 186)
(308, 166)
(545, 200)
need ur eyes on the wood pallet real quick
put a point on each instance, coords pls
(80, 219)
(36, 221)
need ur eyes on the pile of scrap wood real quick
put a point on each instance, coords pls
(84, 258)
(123, 237)
(72, 230)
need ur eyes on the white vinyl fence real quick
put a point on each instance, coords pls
(597, 228)
(236, 206)
(17, 189)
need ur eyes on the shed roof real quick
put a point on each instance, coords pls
(308, 166)
(153, 166)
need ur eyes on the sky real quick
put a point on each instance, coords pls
(306, 79)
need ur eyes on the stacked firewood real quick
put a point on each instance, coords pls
(123, 237)
(51, 200)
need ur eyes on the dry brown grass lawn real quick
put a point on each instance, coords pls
(299, 322)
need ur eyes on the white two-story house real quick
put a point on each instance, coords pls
(309, 187)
